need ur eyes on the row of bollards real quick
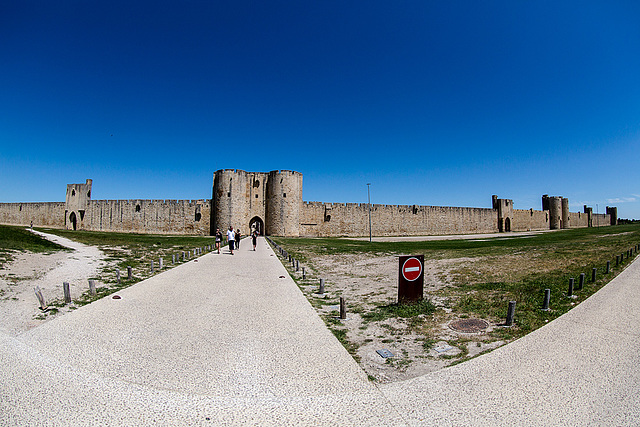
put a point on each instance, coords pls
(512, 304)
(572, 285)
(295, 264)
(92, 284)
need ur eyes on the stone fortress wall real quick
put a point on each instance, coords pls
(352, 219)
(43, 214)
(79, 212)
(271, 203)
(149, 216)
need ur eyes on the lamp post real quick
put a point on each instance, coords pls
(369, 201)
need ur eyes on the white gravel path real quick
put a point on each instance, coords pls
(19, 305)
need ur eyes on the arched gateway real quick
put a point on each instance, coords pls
(256, 224)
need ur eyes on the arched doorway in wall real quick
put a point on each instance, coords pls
(73, 220)
(256, 224)
(507, 224)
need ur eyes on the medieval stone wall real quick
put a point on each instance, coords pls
(43, 214)
(271, 203)
(600, 220)
(577, 220)
(149, 216)
(352, 219)
(526, 220)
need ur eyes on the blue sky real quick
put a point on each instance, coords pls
(433, 103)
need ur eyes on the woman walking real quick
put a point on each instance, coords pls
(218, 239)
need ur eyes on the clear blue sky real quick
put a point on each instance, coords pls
(432, 102)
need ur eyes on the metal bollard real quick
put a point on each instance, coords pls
(297, 266)
(581, 282)
(92, 287)
(321, 290)
(570, 293)
(593, 275)
(343, 309)
(304, 276)
(129, 273)
(617, 260)
(547, 299)
(608, 267)
(160, 267)
(184, 256)
(67, 292)
(511, 311)
(173, 258)
(118, 275)
(152, 266)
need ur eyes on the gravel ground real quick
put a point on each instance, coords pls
(19, 307)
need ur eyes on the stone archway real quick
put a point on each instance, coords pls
(256, 224)
(507, 224)
(73, 220)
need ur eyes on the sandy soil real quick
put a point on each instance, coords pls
(19, 307)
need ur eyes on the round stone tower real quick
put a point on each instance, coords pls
(284, 201)
(566, 222)
(229, 200)
(555, 212)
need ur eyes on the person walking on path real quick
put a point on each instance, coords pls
(218, 239)
(231, 238)
(254, 238)
(238, 238)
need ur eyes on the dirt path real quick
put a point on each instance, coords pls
(19, 308)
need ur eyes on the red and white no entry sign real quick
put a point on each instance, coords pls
(412, 269)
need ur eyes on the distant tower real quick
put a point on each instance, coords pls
(613, 214)
(589, 211)
(505, 213)
(284, 201)
(545, 202)
(566, 218)
(77, 202)
(555, 212)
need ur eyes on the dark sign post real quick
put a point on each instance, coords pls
(410, 278)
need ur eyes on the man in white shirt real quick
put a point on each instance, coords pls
(231, 238)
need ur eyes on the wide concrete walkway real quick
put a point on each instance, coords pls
(580, 369)
(225, 340)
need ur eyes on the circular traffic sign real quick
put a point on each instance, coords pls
(412, 269)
